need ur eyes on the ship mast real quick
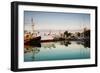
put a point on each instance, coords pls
(32, 25)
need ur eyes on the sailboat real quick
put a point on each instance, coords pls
(32, 38)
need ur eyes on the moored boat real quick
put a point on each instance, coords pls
(33, 41)
(32, 38)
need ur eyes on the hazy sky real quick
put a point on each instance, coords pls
(57, 20)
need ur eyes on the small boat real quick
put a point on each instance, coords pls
(33, 41)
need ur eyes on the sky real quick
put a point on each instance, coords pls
(56, 20)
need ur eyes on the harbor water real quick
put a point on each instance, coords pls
(60, 50)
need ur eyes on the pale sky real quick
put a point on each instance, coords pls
(57, 20)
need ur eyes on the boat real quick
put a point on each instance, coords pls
(31, 38)
(35, 41)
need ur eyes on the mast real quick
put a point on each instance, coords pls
(32, 25)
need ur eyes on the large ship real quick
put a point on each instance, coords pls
(32, 38)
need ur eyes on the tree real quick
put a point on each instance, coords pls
(78, 34)
(67, 34)
(87, 33)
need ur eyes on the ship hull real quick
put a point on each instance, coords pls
(34, 41)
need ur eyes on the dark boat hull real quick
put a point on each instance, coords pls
(34, 41)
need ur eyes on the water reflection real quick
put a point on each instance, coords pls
(49, 45)
(32, 50)
(57, 51)
(66, 43)
(85, 43)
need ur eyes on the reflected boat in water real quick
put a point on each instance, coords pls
(30, 52)
(28, 48)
